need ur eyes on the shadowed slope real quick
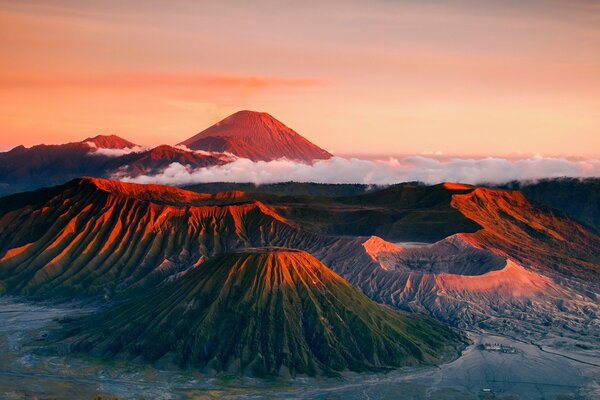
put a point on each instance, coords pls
(25, 168)
(578, 198)
(101, 156)
(257, 136)
(398, 213)
(264, 312)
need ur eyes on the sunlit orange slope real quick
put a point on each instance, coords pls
(257, 136)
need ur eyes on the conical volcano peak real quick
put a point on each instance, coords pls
(250, 123)
(280, 266)
(257, 136)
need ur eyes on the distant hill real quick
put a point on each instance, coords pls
(403, 212)
(43, 165)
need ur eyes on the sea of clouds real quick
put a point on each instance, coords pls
(392, 170)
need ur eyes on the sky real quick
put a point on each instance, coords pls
(465, 78)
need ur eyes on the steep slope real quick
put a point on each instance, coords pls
(257, 136)
(264, 312)
(95, 237)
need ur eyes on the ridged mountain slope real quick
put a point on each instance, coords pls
(578, 198)
(95, 237)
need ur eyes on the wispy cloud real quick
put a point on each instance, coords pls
(390, 171)
(144, 79)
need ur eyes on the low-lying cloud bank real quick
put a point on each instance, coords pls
(378, 172)
(114, 152)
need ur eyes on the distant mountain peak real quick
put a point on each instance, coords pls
(257, 136)
(110, 142)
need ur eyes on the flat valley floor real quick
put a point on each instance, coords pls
(532, 372)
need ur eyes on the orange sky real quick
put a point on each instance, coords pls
(456, 77)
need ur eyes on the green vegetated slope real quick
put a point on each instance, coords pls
(263, 312)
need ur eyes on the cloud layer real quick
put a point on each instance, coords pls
(114, 152)
(378, 172)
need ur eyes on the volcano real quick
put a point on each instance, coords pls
(264, 312)
(257, 136)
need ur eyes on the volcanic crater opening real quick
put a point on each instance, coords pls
(452, 255)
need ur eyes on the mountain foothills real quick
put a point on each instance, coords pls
(246, 134)
(263, 312)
